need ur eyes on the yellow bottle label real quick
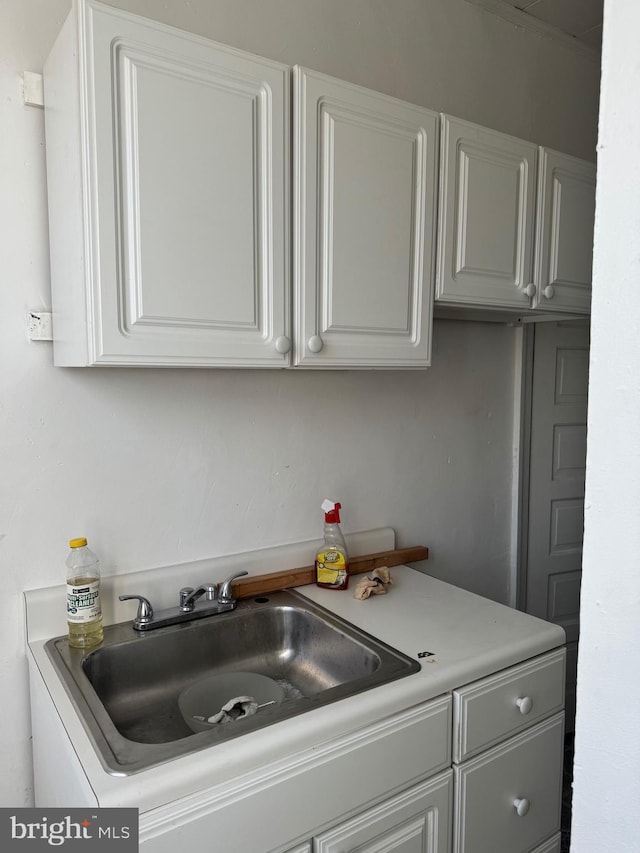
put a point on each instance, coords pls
(331, 567)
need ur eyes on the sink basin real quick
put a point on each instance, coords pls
(126, 690)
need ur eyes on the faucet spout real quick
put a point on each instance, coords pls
(189, 595)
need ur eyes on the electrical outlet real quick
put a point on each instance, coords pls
(40, 326)
(33, 89)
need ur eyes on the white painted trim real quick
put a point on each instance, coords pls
(520, 484)
(540, 28)
(522, 434)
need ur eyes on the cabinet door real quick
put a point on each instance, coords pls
(564, 233)
(509, 798)
(364, 200)
(486, 217)
(184, 188)
(416, 821)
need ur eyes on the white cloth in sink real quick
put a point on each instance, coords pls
(235, 709)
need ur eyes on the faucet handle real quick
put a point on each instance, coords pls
(185, 592)
(211, 591)
(224, 596)
(145, 610)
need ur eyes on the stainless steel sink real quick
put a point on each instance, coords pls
(126, 690)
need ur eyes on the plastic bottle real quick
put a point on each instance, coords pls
(332, 562)
(84, 611)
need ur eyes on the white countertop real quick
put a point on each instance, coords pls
(468, 637)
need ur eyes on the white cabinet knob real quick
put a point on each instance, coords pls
(315, 343)
(530, 289)
(524, 704)
(522, 806)
(283, 344)
(549, 292)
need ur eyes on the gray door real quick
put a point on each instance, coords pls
(556, 482)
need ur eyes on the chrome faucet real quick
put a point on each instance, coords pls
(215, 601)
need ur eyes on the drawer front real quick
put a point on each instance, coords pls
(495, 708)
(510, 797)
(416, 821)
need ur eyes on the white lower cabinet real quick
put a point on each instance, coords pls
(504, 794)
(475, 769)
(416, 821)
(508, 796)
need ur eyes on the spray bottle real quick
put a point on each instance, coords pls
(332, 569)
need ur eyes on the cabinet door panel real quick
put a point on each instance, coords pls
(416, 821)
(525, 771)
(564, 238)
(184, 186)
(486, 217)
(189, 250)
(364, 218)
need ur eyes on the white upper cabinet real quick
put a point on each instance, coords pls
(486, 217)
(171, 215)
(364, 212)
(506, 241)
(168, 178)
(564, 233)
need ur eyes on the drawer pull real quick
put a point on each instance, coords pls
(521, 805)
(524, 704)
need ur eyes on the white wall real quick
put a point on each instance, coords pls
(165, 467)
(607, 758)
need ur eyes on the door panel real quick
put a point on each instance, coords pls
(188, 164)
(564, 233)
(488, 788)
(416, 821)
(556, 482)
(486, 217)
(364, 191)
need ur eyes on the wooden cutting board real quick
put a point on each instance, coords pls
(261, 584)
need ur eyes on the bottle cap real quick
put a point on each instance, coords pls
(331, 512)
(77, 543)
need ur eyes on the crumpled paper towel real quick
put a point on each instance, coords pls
(374, 584)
